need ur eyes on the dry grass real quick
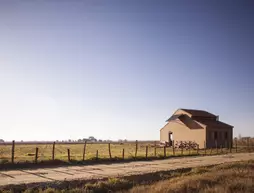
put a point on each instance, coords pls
(228, 178)
(233, 177)
(26, 153)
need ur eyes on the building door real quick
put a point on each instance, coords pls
(170, 138)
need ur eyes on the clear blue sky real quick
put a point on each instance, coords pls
(119, 69)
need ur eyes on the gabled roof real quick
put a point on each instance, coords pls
(199, 113)
(199, 118)
(186, 120)
(211, 123)
(174, 117)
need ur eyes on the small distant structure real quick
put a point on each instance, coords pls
(197, 126)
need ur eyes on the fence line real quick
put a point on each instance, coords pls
(84, 151)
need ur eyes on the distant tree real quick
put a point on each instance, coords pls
(93, 139)
(1, 141)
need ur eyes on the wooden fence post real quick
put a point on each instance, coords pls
(248, 144)
(251, 146)
(12, 151)
(205, 147)
(189, 147)
(109, 151)
(97, 154)
(226, 144)
(146, 151)
(216, 144)
(198, 149)
(69, 156)
(236, 145)
(221, 149)
(53, 151)
(136, 150)
(181, 148)
(36, 155)
(165, 153)
(84, 152)
(123, 154)
(173, 147)
(230, 147)
(155, 149)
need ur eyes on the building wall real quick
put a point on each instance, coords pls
(182, 133)
(221, 140)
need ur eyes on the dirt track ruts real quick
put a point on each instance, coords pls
(113, 170)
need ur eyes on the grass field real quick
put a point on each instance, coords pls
(26, 153)
(235, 177)
(227, 178)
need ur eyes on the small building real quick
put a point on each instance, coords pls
(197, 126)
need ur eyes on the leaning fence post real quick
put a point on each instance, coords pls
(84, 151)
(164, 151)
(53, 151)
(109, 151)
(173, 147)
(136, 150)
(146, 151)
(12, 151)
(155, 149)
(69, 156)
(36, 155)
(123, 154)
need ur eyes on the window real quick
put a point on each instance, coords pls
(215, 135)
(226, 135)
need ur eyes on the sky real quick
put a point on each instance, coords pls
(119, 69)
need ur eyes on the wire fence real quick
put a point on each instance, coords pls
(37, 152)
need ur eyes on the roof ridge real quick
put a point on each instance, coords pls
(193, 111)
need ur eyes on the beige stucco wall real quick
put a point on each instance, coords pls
(182, 133)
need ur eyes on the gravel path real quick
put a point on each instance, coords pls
(113, 170)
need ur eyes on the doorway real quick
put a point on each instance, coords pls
(170, 138)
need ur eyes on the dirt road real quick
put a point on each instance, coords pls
(113, 170)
